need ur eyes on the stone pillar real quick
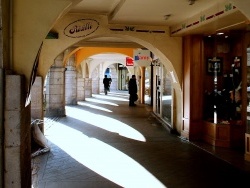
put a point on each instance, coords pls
(80, 88)
(2, 94)
(101, 76)
(88, 87)
(37, 99)
(95, 82)
(70, 82)
(17, 141)
(113, 86)
(54, 94)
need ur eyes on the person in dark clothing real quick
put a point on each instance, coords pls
(106, 84)
(132, 88)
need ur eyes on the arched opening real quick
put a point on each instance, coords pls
(25, 41)
(98, 61)
(89, 72)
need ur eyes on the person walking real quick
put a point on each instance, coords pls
(106, 84)
(132, 88)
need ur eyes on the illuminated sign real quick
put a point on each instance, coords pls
(81, 28)
(129, 61)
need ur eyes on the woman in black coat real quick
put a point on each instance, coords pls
(132, 88)
(106, 83)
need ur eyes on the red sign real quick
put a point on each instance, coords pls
(129, 61)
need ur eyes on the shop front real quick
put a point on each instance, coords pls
(162, 92)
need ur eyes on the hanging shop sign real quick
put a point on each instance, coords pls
(81, 28)
(142, 57)
(129, 61)
(155, 62)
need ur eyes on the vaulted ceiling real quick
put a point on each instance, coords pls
(170, 13)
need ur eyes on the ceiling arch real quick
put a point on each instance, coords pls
(103, 53)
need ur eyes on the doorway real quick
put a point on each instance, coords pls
(163, 93)
(123, 77)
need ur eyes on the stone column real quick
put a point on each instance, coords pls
(101, 76)
(87, 80)
(37, 110)
(88, 87)
(113, 86)
(17, 135)
(55, 91)
(95, 81)
(2, 94)
(70, 82)
(80, 88)
(37, 99)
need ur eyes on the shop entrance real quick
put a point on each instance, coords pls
(123, 77)
(163, 93)
(157, 88)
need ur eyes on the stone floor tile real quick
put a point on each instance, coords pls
(104, 155)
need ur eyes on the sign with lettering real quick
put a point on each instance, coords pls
(142, 57)
(81, 28)
(129, 61)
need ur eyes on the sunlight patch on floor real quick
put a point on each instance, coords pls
(100, 101)
(106, 123)
(123, 94)
(102, 158)
(109, 97)
(93, 106)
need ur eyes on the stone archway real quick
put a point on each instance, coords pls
(166, 48)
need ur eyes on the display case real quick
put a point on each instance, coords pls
(223, 125)
(247, 134)
(248, 98)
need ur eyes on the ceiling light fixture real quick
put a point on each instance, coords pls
(191, 2)
(167, 16)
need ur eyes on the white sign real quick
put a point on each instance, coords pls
(142, 57)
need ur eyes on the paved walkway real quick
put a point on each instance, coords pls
(104, 143)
